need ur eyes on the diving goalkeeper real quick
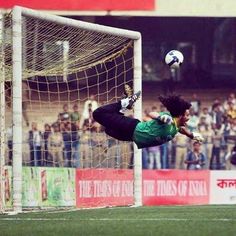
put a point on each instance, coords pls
(162, 128)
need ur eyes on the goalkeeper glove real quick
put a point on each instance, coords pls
(165, 119)
(197, 137)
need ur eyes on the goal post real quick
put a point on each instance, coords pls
(17, 108)
(77, 58)
(2, 113)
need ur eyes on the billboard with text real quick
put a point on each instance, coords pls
(175, 187)
(104, 187)
(223, 187)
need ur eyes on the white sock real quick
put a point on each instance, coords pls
(124, 102)
(123, 110)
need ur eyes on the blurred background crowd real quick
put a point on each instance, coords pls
(76, 140)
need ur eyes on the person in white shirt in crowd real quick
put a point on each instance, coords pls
(207, 116)
(35, 140)
(196, 104)
(192, 124)
(89, 106)
(206, 131)
(181, 143)
(231, 99)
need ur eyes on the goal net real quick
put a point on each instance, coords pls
(54, 72)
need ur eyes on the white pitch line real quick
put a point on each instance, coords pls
(109, 219)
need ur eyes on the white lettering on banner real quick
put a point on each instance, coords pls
(182, 188)
(105, 188)
(149, 188)
(85, 188)
(116, 188)
(127, 188)
(102, 188)
(166, 187)
(197, 188)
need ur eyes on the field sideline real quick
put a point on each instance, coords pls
(177, 220)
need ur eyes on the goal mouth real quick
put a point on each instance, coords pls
(56, 72)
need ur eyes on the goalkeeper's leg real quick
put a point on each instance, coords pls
(116, 124)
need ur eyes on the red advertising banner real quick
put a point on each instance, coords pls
(81, 5)
(104, 187)
(175, 187)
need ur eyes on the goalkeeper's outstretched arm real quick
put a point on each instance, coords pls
(193, 135)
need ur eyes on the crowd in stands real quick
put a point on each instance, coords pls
(217, 124)
(76, 140)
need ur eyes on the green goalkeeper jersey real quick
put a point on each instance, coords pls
(154, 132)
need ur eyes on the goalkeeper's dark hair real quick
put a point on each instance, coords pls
(175, 104)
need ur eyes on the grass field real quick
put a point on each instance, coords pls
(163, 221)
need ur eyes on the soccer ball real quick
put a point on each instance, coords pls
(174, 59)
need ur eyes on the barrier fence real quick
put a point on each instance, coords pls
(64, 187)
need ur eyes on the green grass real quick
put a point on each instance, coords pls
(143, 221)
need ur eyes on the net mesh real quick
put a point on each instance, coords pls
(67, 73)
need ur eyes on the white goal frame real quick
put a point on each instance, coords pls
(17, 14)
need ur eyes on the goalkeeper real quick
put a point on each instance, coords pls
(162, 128)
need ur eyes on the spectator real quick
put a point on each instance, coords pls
(35, 145)
(162, 108)
(154, 109)
(164, 156)
(154, 157)
(126, 152)
(207, 133)
(145, 157)
(67, 139)
(230, 99)
(217, 115)
(86, 146)
(47, 132)
(196, 104)
(75, 116)
(195, 159)
(146, 116)
(99, 145)
(55, 145)
(9, 144)
(193, 121)
(65, 115)
(89, 106)
(215, 162)
(181, 144)
(231, 111)
(231, 156)
(229, 135)
(206, 114)
(75, 145)
(89, 122)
